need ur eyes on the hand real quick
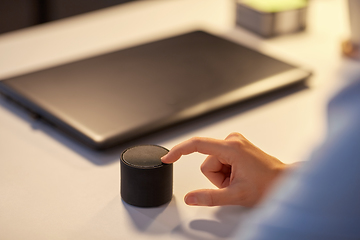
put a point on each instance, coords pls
(242, 172)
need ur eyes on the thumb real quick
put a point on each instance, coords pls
(210, 197)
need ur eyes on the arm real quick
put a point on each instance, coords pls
(321, 198)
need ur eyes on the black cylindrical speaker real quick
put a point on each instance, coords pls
(145, 181)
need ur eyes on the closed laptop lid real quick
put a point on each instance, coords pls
(109, 99)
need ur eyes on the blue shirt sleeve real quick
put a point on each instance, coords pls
(320, 199)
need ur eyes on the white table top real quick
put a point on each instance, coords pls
(54, 188)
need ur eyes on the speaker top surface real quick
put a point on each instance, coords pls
(144, 156)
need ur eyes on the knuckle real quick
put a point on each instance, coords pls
(204, 168)
(195, 140)
(236, 141)
(211, 199)
(236, 144)
(235, 135)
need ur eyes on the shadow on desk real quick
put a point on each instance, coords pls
(223, 223)
(164, 222)
(110, 155)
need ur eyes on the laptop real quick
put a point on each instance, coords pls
(115, 97)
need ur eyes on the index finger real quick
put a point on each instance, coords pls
(203, 145)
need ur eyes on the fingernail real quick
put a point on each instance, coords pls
(191, 200)
(163, 157)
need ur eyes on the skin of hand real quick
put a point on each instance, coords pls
(241, 171)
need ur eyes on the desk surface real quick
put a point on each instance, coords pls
(54, 188)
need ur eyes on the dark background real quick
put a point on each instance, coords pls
(17, 14)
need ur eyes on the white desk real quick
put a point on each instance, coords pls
(54, 188)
